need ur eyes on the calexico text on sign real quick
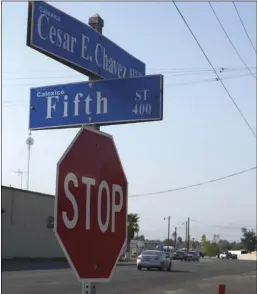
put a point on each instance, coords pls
(74, 43)
(102, 102)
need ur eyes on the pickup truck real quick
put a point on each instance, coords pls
(227, 255)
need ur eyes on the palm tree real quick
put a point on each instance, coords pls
(132, 226)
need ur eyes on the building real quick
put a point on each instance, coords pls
(27, 225)
(153, 244)
(136, 247)
(169, 249)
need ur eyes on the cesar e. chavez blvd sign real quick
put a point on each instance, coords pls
(75, 44)
(103, 102)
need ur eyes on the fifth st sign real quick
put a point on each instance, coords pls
(103, 102)
(75, 44)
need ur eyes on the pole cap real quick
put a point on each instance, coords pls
(96, 22)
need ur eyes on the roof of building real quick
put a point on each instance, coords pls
(27, 191)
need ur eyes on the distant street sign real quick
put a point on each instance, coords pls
(103, 102)
(91, 205)
(74, 43)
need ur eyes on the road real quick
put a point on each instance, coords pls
(186, 278)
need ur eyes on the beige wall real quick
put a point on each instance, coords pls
(249, 256)
(24, 225)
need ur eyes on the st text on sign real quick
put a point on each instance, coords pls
(103, 102)
(75, 44)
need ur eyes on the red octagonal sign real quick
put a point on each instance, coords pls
(91, 205)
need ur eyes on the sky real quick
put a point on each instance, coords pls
(202, 136)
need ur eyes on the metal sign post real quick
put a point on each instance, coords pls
(97, 23)
(88, 288)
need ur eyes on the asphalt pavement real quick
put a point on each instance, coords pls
(185, 278)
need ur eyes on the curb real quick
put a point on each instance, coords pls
(23, 265)
(126, 264)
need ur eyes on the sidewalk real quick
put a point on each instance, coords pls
(235, 284)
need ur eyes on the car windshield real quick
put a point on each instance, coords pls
(150, 252)
(192, 252)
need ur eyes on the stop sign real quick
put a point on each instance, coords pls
(91, 205)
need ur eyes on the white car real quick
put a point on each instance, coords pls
(154, 259)
(222, 255)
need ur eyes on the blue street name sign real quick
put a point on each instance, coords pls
(103, 102)
(75, 44)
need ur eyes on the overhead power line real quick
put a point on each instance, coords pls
(217, 225)
(173, 72)
(195, 185)
(230, 41)
(174, 84)
(17, 103)
(210, 63)
(242, 23)
(206, 69)
(207, 80)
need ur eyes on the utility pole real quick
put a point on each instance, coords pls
(186, 237)
(175, 238)
(168, 231)
(20, 173)
(29, 142)
(188, 234)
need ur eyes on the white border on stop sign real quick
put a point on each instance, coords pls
(55, 206)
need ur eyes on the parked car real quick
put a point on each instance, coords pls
(124, 257)
(167, 254)
(154, 259)
(179, 255)
(193, 256)
(201, 254)
(227, 255)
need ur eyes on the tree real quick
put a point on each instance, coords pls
(210, 248)
(174, 234)
(132, 226)
(213, 249)
(195, 245)
(204, 239)
(249, 239)
(140, 237)
(215, 238)
(204, 244)
(169, 242)
(236, 246)
(179, 242)
(224, 245)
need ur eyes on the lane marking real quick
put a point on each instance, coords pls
(173, 291)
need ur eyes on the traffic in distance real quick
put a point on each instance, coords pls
(162, 259)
